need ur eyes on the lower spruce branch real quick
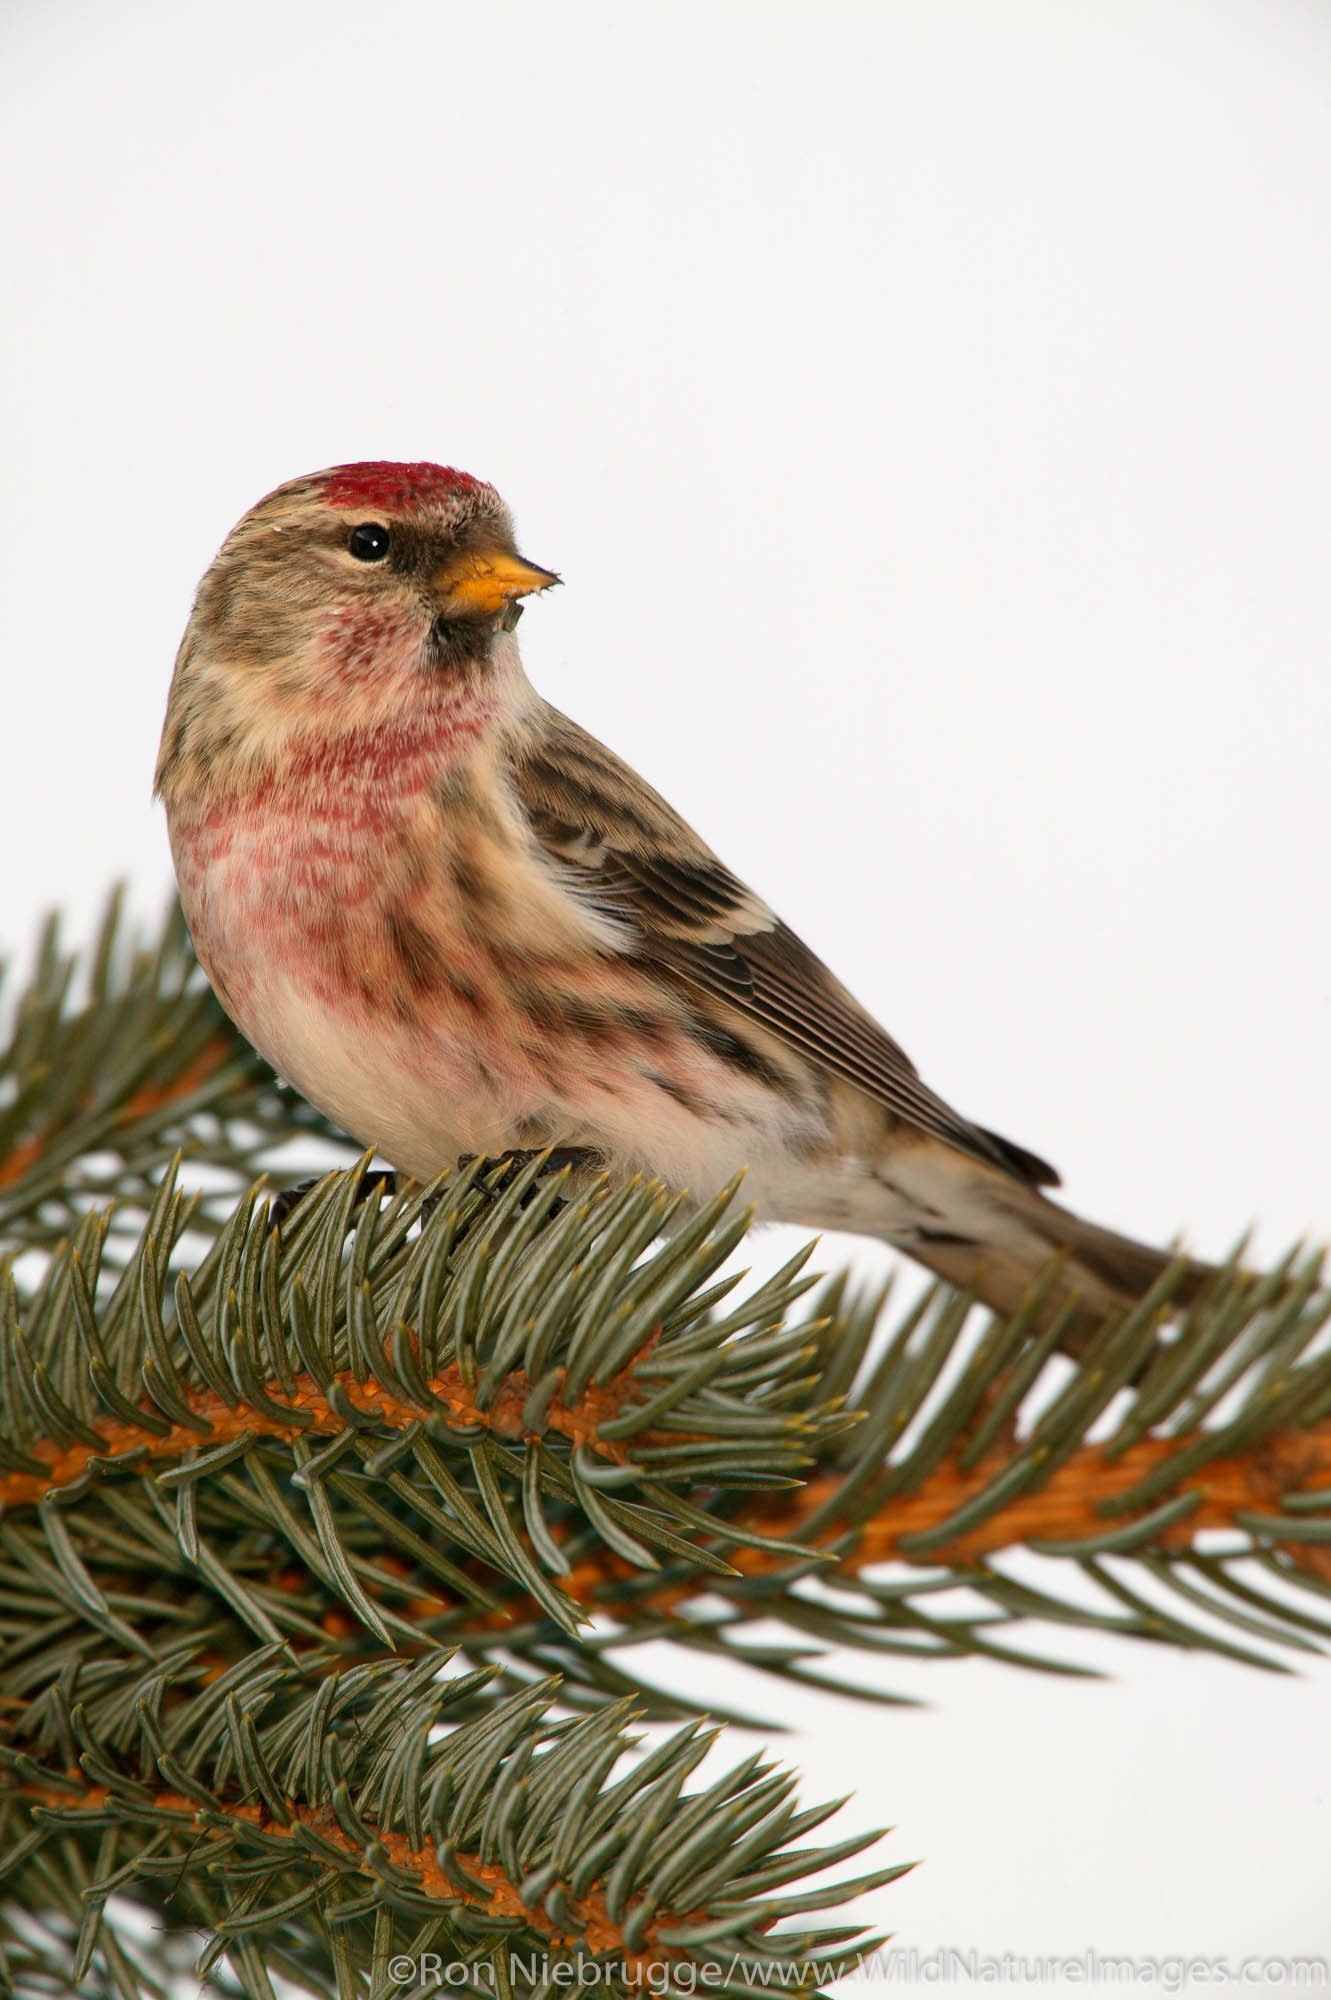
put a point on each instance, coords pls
(480, 1885)
(344, 1815)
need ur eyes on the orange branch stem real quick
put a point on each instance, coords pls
(503, 1415)
(500, 1898)
(1068, 1506)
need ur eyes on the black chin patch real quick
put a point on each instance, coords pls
(455, 643)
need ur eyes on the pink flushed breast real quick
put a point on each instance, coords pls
(406, 969)
(281, 871)
(328, 908)
(378, 766)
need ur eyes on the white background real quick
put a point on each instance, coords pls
(927, 404)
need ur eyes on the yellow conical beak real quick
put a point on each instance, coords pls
(480, 582)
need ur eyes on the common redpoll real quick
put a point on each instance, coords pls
(459, 925)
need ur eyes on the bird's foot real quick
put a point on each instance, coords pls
(497, 1173)
(282, 1205)
(488, 1180)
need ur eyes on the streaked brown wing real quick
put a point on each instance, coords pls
(633, 854)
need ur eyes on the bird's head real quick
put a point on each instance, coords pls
(344, 600)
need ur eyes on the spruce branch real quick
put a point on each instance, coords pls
(358, 1822)
(389, 1362)
(231, 1406)
(1156, 1494)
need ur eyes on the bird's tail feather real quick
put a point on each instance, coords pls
(1011, 1237)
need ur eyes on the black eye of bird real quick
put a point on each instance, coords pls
(369, 542)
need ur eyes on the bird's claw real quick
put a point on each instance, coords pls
(498, 1172)
(489, 1181)
(281, 1206)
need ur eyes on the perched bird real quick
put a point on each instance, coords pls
(460, 925)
